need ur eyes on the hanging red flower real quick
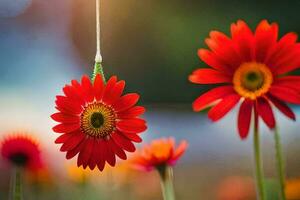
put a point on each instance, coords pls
(160, 152)
(22, 151)
(252, 68)
(98, 123)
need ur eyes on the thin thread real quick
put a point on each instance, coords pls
(98, 57)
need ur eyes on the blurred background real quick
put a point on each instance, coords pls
(153, 46)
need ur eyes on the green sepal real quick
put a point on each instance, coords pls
(98, 69)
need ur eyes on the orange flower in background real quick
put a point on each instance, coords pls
(292, 189)
(252, 67)
(22, 151)
(160, 152)
(78, 174)
(98, 123)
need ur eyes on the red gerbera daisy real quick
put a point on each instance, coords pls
(22, 151)
(253, 68)
(97, 122)
(159, 153)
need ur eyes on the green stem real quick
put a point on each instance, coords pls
(258, 163)
(166, 177)
(17, 184)
(98, 69)
(280, 164)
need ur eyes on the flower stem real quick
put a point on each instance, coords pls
(166, 177)
(98, 69)
(280, 164)
(258, 163)
(17, 184)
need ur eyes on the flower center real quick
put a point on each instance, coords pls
(98, 120)
(19, 159)
(252, 80)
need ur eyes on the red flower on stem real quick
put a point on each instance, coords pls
(162, 155)
(96, 122)
(159, 153)
(22, 151)
(252, 68)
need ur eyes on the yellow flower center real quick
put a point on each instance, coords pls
(252, 80)
(98, 120)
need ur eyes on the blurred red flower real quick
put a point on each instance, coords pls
(160, 152)
(98, 123)
(252, 68)
(22, 151)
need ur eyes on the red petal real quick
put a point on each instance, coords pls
(211, 59)
(117, 150)
(126, 102)
(289, 81)
(110, 156)
(79, 89)
(63, 137)
(243, 40)
(79, 160)
(123, 142)
(72, 93)
(211, 96)
(265, 111)
(86, 152)
(265, 38)
(114, 94)
(222, 108)
(95, 155)
(285, 94)
(283, 107)
(109, 86)
(282, 49)
(71, 153)
(102, 155)
(132, 125)
(60, 117)
(131, 112)
(87, 88)
(133, 137)
(290, 62)
(76, 84)
(179, 151)
(66, 128)
(208, 76)
(67, 105)
(73, 141)
(98, 87)
(244, 118)
(223, 49)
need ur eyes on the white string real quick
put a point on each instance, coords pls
(98, 57)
